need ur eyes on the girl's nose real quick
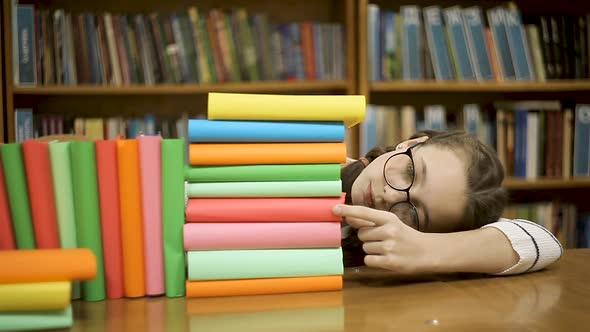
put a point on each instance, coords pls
(393, 196)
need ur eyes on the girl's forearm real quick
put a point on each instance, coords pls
(485, 250)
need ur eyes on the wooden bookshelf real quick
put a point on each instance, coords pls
(491, 87)
(182, 89)
(546, 183)
(171, 98)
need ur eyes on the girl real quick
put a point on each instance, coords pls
(432, 204)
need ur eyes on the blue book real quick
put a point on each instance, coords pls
(458, 43)
(388, 63)
(208, 131)
(411, 43)
(297, 51)
(520, 143)
(25, 35)
(318, 45)
(288, 50)
(476, 41)
(502, 49)
(583, 230)
(368, 130)
(374, 39)
(23, 124)
(437, 43)
(519, 48)
(471, 116)
(93, 52)
(582, 141)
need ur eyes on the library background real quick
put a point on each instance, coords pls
(516, 74)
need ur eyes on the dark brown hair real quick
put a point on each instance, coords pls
(486, 197)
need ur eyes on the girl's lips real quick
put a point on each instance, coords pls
(369, 196)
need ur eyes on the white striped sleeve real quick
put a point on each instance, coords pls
(534, 244)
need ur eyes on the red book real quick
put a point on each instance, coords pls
(110, 222)
(308, 50)
(7, 241)
(40, 186)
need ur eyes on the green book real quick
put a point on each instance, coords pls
(36, 320)
(18, 197)
(233, 54)
(265, 189)
(263, 173)
(61, 173)
(173, 215)
(271, 263)
(248, 46)
(87, 213)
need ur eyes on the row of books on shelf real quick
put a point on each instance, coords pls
(569, 226)
(532, 138)
(29, 124)
(186, 46)
(456, 44)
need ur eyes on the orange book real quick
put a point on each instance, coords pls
(7, 241)
(131, 222)
(110, 222)
(39, 265)
(40, 185)
(267, 153)
(263, 302)
(308, 50)
(493, 56)
(213, 288)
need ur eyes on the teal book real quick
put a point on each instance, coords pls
(582, 141)
(476, 40)
(458, 43)
(412, 63)
(519, 46)
(496, 20)
(87, 213)
(268, 263)
(437, 43)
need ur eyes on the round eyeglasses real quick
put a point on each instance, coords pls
(399, 174)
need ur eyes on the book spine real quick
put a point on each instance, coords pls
(435, 36)
(475, 33)
(518, 45)
(411, 40)
(582, 141)
(7, 240)
(26, 72)
(458, 42)
(500, 39)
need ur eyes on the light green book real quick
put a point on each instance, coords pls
(265, 189)
(270, 263)
(36, 320)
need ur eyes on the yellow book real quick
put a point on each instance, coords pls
(237, 106)
(35, 296)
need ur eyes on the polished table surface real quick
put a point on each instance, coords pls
(556, 299)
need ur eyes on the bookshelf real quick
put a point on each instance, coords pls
(169, 99)
(488, 87)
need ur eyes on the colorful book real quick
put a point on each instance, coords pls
(265, 189)
(219, 236)
(203, 131)
(7, 241)
(265, 263)
(437, 43)
(36, 320)
(61, 171)
(35, 296)
(86, 200)
(173, 215)
(262, 209)
(110, 218)
(263, 173)
(18, 197)
(266, 153)
(131, 218)
(151, 206)
(215, 288)
(40, 186)
(235, 106)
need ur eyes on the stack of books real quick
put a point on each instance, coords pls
(264, 176)
(35, 287)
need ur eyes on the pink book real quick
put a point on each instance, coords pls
(269, 235)
(262, 209)
(7, 241)
(110, 221)
(151, 205)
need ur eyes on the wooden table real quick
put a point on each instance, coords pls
(557, 299)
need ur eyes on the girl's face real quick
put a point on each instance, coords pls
(438, 191)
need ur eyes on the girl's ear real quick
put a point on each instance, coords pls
(408, 143)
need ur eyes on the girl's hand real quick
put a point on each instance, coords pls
(389, 243)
